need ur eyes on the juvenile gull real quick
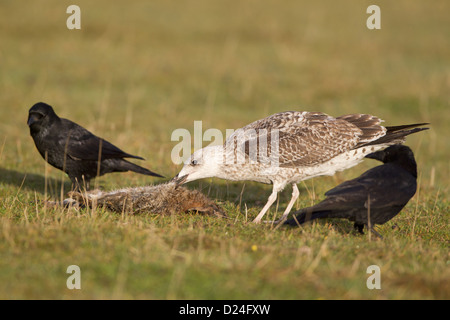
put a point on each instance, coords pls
(288, 147)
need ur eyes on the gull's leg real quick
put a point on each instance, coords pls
(270, 201)
(295, 194)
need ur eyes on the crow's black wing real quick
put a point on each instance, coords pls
(83, 145)
(390, 188)
(388, 185)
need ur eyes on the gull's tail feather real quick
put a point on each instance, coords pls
(397, 134)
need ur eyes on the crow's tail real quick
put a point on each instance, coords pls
(128, 166)
(306, 215)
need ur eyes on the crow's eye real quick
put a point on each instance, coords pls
(38, 115)
(194, 162)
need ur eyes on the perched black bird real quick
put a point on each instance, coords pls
(73, 149)
(389, 188)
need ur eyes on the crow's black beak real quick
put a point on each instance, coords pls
(32, 118)
(179, 180)
(378, 155)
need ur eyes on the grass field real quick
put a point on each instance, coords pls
(138, 70)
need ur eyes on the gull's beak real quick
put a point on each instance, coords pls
(179, 180)
(174, 179)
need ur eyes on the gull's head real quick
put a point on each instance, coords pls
(203, 163)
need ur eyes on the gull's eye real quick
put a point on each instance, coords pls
(194, 162)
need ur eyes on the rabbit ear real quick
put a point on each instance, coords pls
(218, 211)
(211, 209)
(206, 210)
(77, 196)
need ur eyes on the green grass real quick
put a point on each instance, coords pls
(137, 71)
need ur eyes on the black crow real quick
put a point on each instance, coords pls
(73, 149)
(389, 188)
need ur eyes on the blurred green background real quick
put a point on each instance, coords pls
(138, 70)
